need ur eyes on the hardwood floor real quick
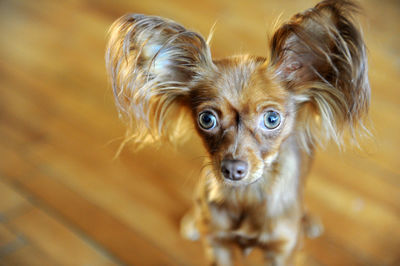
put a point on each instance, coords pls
(65, 201)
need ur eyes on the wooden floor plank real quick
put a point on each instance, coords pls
(7, 239)
(348, 227)
(111, 233)
(14, 200)
(27, 255)
(59, 131)
(66, 247)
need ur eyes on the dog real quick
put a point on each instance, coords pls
(260, 118)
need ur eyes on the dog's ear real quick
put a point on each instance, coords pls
(151, 62)
(319, 55)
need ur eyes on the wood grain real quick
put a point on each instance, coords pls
(64, 200)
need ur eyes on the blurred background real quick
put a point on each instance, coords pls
(65, 201)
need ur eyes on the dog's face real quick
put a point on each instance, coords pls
(243, 114)
(314, 84)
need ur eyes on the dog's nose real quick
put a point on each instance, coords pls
(234, 169)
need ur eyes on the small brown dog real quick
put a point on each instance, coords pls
(260, 118)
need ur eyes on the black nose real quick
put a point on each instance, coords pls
(233, 169)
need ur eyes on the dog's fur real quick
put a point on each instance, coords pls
(315, 78)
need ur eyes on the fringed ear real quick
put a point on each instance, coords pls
(151, 62)
(319, 55)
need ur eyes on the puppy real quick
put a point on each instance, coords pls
(260, 118)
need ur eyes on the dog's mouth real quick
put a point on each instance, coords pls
(241, 183)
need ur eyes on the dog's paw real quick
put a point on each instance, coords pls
(188, 228)
(312, 226)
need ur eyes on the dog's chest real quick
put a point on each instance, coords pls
(250, 227)
(247, 228)
(243, 226)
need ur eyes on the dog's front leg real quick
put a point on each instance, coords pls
(312, 225)
(188, 228)
(278, 259)
(284, 238)
(218, 252)
(281, 256)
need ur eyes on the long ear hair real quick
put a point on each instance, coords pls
(151, 62)
(319, 55)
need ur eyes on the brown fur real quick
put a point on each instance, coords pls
(315, 78)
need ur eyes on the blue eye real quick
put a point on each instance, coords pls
(272, 119)
(207, 120)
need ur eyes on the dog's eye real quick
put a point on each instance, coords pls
(207, 120)
(272, 119)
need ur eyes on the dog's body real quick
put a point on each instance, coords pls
(268, 215)
(259, 118)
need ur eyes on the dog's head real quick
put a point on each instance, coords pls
(314, 84)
